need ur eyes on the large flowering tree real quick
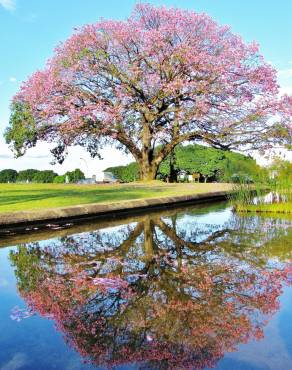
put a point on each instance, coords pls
(162, 77)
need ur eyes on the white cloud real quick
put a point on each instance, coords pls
(286, 90)
(285, 81)
(18, 361)
(286, 73)
(8, 4)
(273, 64)
(12, 78)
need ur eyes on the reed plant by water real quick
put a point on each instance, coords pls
(271, 196)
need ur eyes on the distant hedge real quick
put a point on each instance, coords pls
(37, 176)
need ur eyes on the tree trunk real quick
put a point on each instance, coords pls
(148, 171)
(172, 170)
(148, 238)
(148, 168)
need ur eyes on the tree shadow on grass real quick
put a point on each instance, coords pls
(88, 196)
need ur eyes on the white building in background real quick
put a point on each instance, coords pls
(105, 176)
(100, 177)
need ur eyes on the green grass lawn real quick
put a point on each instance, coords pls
(23, 197)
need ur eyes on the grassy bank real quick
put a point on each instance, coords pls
(262, 198)
(275, 207)
(24, 197)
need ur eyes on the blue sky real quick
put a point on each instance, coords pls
(30, 30)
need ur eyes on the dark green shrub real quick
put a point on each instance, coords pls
(60, 179)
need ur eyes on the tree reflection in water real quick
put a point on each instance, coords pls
(164, 292)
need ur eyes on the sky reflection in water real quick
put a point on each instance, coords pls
(194, 288)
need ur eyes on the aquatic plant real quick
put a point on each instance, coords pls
(275, 196)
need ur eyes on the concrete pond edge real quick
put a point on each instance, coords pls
(61, 215)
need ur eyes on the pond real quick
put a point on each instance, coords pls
(197, 288)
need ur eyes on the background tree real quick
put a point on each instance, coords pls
(195, 159)
(26, 175)
(126, 173)
(8, 175)
(241, 166)
(75, 175)
(162, 77)
(46, 176)
(281, 171)
(22, 127)
(214, 164)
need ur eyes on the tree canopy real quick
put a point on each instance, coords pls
(162, 77)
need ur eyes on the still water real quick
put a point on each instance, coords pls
(194, 288)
